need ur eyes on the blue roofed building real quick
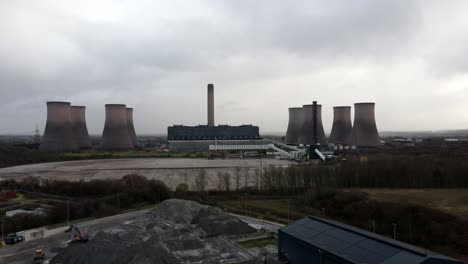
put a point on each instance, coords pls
(315, 240)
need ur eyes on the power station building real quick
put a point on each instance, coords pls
(342, 127)
(316, 240)
(116, 134)
(199, 138)
(307, 132)
(79, 128)
(365, 133)
(296, 120)
(58, 133)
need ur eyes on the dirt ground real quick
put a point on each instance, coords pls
(169, 170)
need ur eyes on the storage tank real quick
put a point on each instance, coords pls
(342, 127)
(115, 135)
(79, 128)
(296, 120)
(131, 128)
(307, 131)
(365, 133)
(58, 135)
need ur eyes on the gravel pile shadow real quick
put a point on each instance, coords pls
(177, 231)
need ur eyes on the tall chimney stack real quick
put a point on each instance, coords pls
(211, 121)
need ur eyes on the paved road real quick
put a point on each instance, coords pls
(259, 223)
(24, 252)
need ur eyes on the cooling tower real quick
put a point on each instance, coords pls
(296, 119)
(307, 131)
(364, 133)
(211, 105)
(342, 128)
(58, 135)
(79, 128)
(115, 135)
(131, 128)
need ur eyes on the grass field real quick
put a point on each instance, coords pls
(453, 201)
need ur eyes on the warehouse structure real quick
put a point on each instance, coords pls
(315, 240)
(307, 131)
(115, 135)
(342, 127)
(365, 133)
(130, 126)
(58, 134)
(79, 128)
(296, 120)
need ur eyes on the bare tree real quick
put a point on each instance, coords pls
(224, 181)
(238, 177)
(201, 180)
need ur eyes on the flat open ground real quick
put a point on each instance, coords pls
(169, 170)
(453, 201)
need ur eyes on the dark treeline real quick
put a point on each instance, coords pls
(97, 198)
(377, 172)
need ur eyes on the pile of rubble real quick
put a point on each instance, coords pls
(176, 231)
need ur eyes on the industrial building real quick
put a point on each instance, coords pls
(316, 240)
(115, 135)
(296, 120)
(58, 134)
(365, 133)
(342, 127)
(79, 128)
(199, 138)
(307, 132)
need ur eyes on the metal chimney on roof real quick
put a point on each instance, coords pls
(58, 135)
(211, 121)
(115, 135)
(365, 133)
(131, 128)
(79, 128)
(307, 131)
(342, 127)
(296, 120)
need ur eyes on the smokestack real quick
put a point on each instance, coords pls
(341, 129)
(115, 135)
(296, 119)
(211, 121)
(131, 128)
(307, 131)
(79, 128)
(58, 135)
(365, 133)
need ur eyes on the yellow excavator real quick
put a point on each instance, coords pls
(39, 255)
(78, 235)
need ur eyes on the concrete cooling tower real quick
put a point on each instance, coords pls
(307, 131)
(342, 128)
(79, 128)
(211, 117)
(58, 135)
(365, 132)
(115, 135)
(296, 120)
(131, 128)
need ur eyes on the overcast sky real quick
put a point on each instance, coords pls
(263, 56)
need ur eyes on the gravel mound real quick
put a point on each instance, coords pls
(176, 231)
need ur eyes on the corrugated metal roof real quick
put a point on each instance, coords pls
(357, 245)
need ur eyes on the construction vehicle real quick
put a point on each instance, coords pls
(39, 255)
(78, 235)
